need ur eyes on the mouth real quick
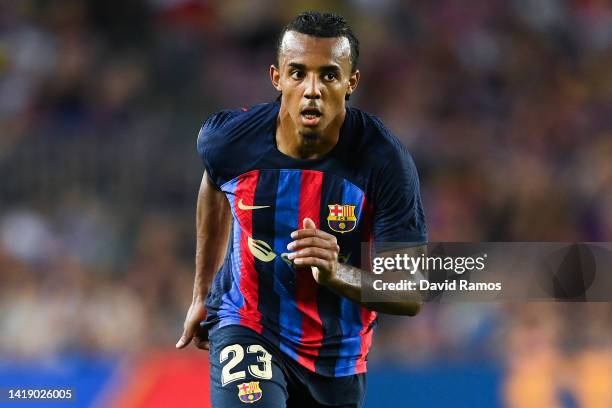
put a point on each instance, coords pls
(311, 116)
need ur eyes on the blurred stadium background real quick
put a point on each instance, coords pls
(506, 106)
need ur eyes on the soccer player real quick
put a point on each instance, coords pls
(290, 191)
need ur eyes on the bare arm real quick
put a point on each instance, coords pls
(213, 217)
(319, 250)
(349, 281)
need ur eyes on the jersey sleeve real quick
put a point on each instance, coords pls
(398, 211)
(210, 142)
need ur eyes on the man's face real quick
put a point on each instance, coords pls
(314, 76)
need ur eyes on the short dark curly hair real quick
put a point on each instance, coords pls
(322, 25)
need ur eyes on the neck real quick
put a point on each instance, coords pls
(305, 146)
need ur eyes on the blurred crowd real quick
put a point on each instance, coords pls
(505, 106)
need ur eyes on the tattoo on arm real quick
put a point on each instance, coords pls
(349, 275)
(351, 282)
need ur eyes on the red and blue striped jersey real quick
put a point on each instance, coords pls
(365, 190)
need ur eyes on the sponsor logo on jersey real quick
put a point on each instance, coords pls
(249, 392)
(341, 217)
(261, 250)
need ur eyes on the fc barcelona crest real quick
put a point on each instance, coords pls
(341, 217)
(249, 392)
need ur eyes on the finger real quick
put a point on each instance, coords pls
(326, 254)
(304, 233)
(312, 242)
(312, 261)
(186, 337)
(308, 224)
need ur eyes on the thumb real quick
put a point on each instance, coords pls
(309, 224)
(185, 338)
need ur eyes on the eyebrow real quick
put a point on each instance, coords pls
(323, 68)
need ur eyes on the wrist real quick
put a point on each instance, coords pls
(199, 296)
(330, 278)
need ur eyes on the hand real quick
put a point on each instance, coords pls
(192, 329)
(317, 249)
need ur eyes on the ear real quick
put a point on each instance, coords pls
(352, 82)
(275, 78)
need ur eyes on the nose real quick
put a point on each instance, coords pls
(312, 87)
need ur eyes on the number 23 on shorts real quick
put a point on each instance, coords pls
(235, 354)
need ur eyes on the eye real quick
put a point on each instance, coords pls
(330, 76)
(296, 74)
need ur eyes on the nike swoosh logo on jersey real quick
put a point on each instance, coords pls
(243, 206)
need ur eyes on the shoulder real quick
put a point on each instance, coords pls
(230, 125)
(231, 134)
(379, 145)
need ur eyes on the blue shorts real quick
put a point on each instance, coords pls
(245, 368)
